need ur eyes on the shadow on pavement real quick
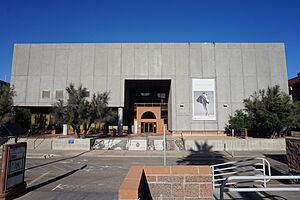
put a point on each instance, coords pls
(278, 157)
(203, 155)
(35, 187)
(55, 161)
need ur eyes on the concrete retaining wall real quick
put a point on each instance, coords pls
(35, 143)
(237, 145)
(196, 145)
(150, 144)
(72, 144)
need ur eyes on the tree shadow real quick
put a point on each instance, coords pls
(202, 154)
(35, 187)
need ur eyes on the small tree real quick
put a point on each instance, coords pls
(297, 113)
(78, 110)
(238, 121)
(267, 113)
(59, 114)
(98, 112)
(23, 117)
(6, 103)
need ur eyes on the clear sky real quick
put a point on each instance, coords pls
(56, 21)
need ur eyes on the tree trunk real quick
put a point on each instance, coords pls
(77, 131)
(88, 127)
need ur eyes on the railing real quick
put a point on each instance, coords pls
(225, 188)
(223, 170)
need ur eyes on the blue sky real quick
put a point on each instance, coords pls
(55, 21)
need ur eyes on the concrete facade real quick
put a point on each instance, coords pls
(238, 69)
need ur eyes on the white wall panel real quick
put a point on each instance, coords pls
(141, 62)
(22, 59)
(74, 60)
(48, 60)
(196, 63)
(32, 94)
(114, 62)
(35, 62)
(168, 62)
(87, 60)
(155, 62)
(101, 63)
(61, 63)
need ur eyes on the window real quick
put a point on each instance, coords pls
(59, 94)
(46, 94)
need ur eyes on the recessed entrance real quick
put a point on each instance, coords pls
(148, 127)
(146, 105)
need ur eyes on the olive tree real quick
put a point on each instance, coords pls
(78, 110)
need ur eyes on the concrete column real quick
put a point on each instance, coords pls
(65, 129)
(120, 121)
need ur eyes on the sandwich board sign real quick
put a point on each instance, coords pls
(13, 169)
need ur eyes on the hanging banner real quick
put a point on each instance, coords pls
(204, 99)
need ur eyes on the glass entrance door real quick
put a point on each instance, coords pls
(148, 127)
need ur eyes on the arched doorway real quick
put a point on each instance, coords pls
(148, 122)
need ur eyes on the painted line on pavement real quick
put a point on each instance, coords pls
(38, 178)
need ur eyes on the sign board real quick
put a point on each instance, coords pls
(71, 141)
(204, 99)
(13, 165)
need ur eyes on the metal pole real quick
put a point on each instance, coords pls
(264, 169)
(165, 146)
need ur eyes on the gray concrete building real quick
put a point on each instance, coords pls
(195, 85)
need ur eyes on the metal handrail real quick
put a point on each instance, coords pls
(222, 168)
(264, 188)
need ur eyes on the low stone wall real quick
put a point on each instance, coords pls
(238, 144)
(168, 182)
(293, 156)
(35, 143)
(176, 144)
(72, 144)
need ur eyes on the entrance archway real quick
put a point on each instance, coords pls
(147, 125)
(148, 120)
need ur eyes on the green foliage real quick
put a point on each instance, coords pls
(238, 121)
(297, 113)
(267, 113)
(79, 111)
(23, 117)
(98, 112)
(40, 122)
(6, 102)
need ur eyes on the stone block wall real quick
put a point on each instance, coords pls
(168, 182)
(293, 156)
(180, 182)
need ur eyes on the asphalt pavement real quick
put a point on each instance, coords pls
(98, 174)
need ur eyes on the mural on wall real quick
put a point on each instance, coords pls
(142, 145)
(204, 99)
(110, 144)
